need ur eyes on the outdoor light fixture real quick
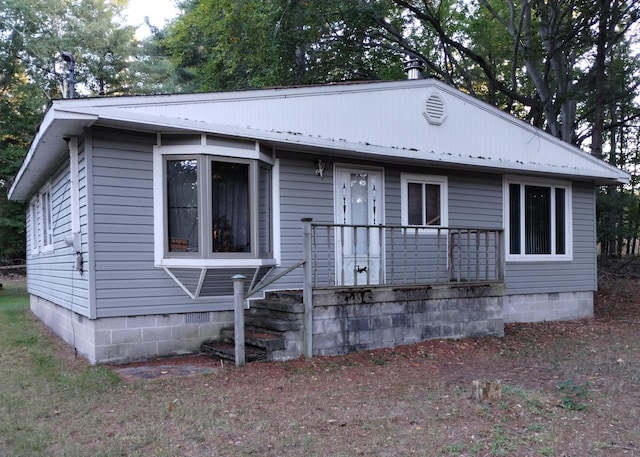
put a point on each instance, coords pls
(68, 57)
(320, 168)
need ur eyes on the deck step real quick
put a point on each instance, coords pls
(284, 306)
(267, 314)
(255, 337)
(275, 325)
(284, 296)
(227, 351)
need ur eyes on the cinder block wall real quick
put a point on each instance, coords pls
(362, 319)
(123, 339)
(553, 306)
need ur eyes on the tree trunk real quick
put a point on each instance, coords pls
(600, 88)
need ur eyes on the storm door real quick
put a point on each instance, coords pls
(359, 196)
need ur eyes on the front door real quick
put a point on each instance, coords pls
(359, 194)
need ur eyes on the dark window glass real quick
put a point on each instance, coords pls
(537, 220)
(182, 205)
(514, 219)
(415, 204)
(230, 207)
(560, 222)
(433, 204)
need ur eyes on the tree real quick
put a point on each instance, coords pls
(20, 107)
(225, 44)
(540, 56)
(104, 49)
(33, 33)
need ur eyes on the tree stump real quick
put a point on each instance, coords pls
(486, 390)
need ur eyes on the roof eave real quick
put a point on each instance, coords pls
(49, 142)
(58, 124)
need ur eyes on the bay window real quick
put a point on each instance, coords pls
(213, 207)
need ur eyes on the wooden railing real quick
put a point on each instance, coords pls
(354, 255)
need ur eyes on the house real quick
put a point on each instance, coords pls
(409, 209)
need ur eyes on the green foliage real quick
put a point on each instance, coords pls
(20, 108)
(37, 31)
(618, 217)
(33, 33)
(224, 44)
(573, 395)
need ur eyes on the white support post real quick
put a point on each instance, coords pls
(238, 318)
(307, 291)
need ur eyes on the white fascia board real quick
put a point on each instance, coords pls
(47, 145)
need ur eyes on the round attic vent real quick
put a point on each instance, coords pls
(434, 109)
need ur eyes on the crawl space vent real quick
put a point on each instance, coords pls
(434, 109)
(197, 318)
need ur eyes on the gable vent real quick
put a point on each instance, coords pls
(435, 110)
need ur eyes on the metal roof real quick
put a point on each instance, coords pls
(412, 121)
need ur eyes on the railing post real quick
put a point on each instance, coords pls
(307, 290)
(238, 318)
(500, 249)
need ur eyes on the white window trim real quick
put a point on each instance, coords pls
(442, 181)
(38, 219)
(35, 229)
(159, 210)
(47, 219)
(568, 256)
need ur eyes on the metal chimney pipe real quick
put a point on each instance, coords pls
(413, 68)
(68, 57)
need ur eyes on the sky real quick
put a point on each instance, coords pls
(159, 11)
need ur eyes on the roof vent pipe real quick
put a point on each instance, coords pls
(413, 68)
(68, 57)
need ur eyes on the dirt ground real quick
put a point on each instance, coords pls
(568, 389)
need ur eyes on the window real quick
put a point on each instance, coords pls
(424, 200)
(182, 205)
(538, 221)
(41, 227)
(215, 207)
(47, 228)
(33, 216)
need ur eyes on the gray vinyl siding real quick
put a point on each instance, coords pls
(576, 275)
(125, 278)
(51, 274)
(127, 283)
(302, 194)
(475, 200)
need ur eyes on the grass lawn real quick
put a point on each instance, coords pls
(568, 389)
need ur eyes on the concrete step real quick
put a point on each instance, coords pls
(270, 324)
(266, 314)
(284, 296)
(274, 304)
(255, 337)
(227, 351)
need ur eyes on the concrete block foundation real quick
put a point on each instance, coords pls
(348, 320)
(125, 339)
(552, 306)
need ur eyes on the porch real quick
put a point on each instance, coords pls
(374, 286)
